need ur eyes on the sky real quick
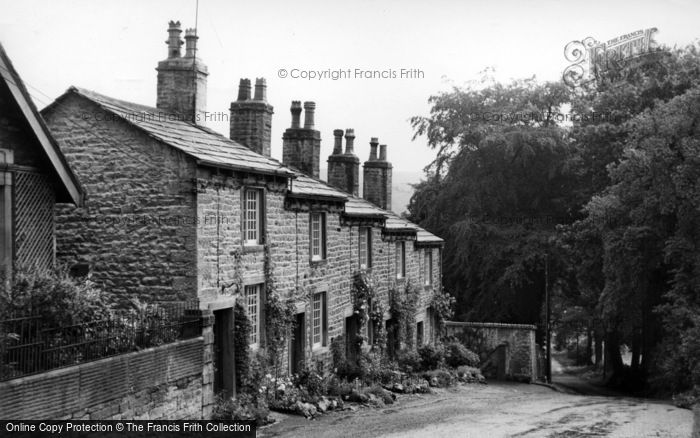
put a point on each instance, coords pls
(113, 47)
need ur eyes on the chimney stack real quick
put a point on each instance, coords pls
(344, 168)
(182, 81)
(191, 43)
(251, 120)
(338, 145)
(174, 42)
(301, 147)
(260, 89)
(296, 114)
(373, 142)
(377, 173)
(309, 109)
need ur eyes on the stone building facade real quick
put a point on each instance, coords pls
(34, 176)
(176, 211)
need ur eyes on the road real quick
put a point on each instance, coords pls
(499, 409)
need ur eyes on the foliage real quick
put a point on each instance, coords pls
(403, 306)
(456, 355)
(442, 303)
(440, 378)
(241, 338)
(409, 360)
(431, 356)
(242, 407)
(607, 205)
(368, 309)
(53, 294)
(280, 317)
(498, 187)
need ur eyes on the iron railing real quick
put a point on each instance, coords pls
(27, 346)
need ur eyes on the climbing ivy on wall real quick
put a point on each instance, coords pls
(403, 304)
(368, 309)
(442, 304)
(280, 317)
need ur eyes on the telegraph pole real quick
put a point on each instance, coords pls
(547, 328)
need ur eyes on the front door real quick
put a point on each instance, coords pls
(296, 356)
(224, 368)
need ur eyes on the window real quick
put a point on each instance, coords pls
(319, 320)
(253, 304)
(428, 273)
(318, 236)
(365, 243)
(252, 216)
(400, 259)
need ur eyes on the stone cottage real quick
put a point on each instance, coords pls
(175, 211)
(34, 176)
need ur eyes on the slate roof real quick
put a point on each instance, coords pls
(305, 186)
(205, 145)
(211, 148)
(69, 189)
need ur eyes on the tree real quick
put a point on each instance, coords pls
(498, 186)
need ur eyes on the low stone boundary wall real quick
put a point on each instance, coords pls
(510, 346)
(163, 382)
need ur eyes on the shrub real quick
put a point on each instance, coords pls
(311, 381)
(242, 407)
(469, 374)
(53, 294)
(431, 356)
(456, 354)
(381, 393)
(408, 361)
(441, 378)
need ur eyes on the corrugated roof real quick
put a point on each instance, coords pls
(204, 144)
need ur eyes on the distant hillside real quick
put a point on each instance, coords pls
(401, 182)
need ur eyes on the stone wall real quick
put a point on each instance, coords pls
(155, 384)
(517, 341)
(225, 265)
(137, 230)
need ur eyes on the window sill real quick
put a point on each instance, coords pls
(319, 262)
(253, 248)
(400, 279)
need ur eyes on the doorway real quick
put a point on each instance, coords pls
(296, 352)
(224, 367)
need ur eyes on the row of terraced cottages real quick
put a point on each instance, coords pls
(174, 211)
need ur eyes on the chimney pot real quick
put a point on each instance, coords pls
(191, 43)
(373, 142)
(349, 141)
(260, 89)
(309, 110)
(296, 114)
(338, 145)
(174, 42)
(382, 152)
(244, 89)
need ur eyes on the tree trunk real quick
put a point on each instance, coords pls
(598, 349)
(589, 347)
(613, 354)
